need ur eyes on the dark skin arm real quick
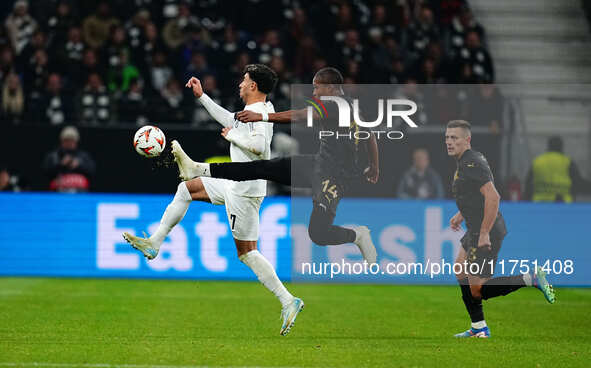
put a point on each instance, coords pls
(372, 173)
(283, 117)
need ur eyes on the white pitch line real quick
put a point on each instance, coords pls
(107, 365)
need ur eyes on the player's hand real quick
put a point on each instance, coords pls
(66, 160)
(225, 131)
(456, 222)
(195, 85)
(74, 164)
(246, 116)
(372, 174)
(484, 240)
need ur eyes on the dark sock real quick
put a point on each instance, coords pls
(501, 286)
(277, 170)
(323, 232)
(473, 306)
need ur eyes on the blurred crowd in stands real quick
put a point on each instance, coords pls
(97, 62)
(105, 63)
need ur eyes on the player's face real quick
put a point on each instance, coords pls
(69, 144)
(421, 160)
(457, 140)
(246, 86)
(321, 89)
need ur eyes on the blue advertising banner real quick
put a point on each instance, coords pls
(80, 235)
(416, 245)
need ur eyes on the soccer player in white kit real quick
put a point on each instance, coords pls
(242, 199)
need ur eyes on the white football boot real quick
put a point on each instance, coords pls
(365, 244)
(144, 245)
(289, 314)
(188, 169)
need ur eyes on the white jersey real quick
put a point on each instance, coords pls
(252, 188)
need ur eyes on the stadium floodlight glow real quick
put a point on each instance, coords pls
(344, 109)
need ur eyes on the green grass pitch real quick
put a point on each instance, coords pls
(141, 324)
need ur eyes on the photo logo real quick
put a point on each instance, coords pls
(344, 109)
(318, 106)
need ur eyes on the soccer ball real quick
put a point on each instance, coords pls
(149, 141)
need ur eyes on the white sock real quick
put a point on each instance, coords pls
(267, 276)
(174, 213)
(527, 279)
(202, 168)
(478, 325)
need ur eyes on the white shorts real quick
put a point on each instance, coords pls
(243, 212)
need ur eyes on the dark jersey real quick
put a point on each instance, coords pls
(471, 174)
(343, 150)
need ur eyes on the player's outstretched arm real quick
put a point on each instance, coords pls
(283, 117)
(221, 115)
(253, 142)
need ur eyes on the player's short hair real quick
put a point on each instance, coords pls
(460, 124)
(329, 75)
(263, 76)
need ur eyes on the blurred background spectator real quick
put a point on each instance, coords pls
(8, 181)
(95, 101)
(20, 26)
(133, 105)
(116, 64)
(97, 26)
(97, 48)
(554, 177)
(56, 105)
(13, 100)
(420, 181)
(475, 56)
(68, 168)
(487, 107)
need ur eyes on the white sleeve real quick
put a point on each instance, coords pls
(255, 141)
(221, 115)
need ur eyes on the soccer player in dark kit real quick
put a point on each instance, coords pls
(478, 203)
(328, 173)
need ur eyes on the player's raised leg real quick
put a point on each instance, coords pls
(277, 169)
(505, 285)
(174, 213)
(188, 169)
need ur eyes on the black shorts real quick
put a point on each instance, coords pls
(327, 191)
(479, 258)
